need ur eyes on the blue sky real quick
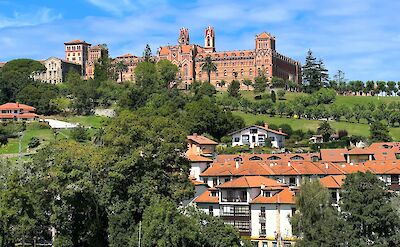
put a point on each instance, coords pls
(360, 37)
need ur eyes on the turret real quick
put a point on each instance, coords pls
(183, 36)
(209, 39)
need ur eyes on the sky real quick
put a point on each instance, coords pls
(359, 37)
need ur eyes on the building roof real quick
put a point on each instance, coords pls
(333, 181)
(358, 151)
(17, 106)
(285, 196)
(198, 158)
(220, 169)
(250, 182)
(76, 42)
(206, 198)
(202, 140)
(22, 115)
(261, 127)
(264, 35)
(128, 55)
(333, 155)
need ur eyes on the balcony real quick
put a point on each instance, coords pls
(263, 232)
(234, 199)
(261, 217)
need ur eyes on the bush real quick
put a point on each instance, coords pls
(226, 139)
(79, 134)
(39, 125)
(33, 142)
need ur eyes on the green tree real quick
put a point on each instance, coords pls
(316, 222)
(121, 67)
(79, 134)
(325, 130)
(167, 72)
(146, 76)
(310, 72)
(273, 96)
(147, 54)
(208, 66)
(233, 88)
(103, 70)
(260, 83)
(391, 87)
(379, 132)
(248, 83)
(368, 212)
(369, 87)
(16, 75)
(281, 94)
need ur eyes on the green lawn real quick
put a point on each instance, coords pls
(304, 124)
(45, 135)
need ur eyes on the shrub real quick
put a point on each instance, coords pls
(79, 134)
(34, 142)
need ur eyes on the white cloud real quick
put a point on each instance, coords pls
(41, 16)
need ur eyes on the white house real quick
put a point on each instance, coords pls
(255, 135)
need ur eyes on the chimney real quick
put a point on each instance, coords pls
(17, 104)
(280, 130)
(262, 186)
(326, 166)
(266, 125)
(195, 134)
(237, 164)
(288, 164)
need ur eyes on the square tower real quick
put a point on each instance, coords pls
(77, 51)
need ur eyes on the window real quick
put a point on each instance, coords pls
(263, 211)
(253, 131)
(253, 138)
(255, 158)
(261, 138)
(210, 210)
(293, 211)
(236, 139)
(227, 180)
(214, 193)
(297, 157)
(215, 182)
(205, 180)
(225, 74)
(251, 72)
(292, 181)
(266, 194)
(245, 138)
(334, 196)
(242, 225)
(274, 158)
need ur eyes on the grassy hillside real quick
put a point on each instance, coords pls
(304, 124)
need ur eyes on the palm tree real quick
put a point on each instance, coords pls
(208, 66)
(121, 67)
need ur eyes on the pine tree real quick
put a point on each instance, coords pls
(310, 73)
(323, 74)
(147, 54)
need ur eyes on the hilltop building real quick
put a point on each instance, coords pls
(56, 70)
(239, 65)
(96, 53)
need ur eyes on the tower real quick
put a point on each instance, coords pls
(77, 51)
(183, 36)
(209, 39)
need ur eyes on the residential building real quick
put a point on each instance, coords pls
(56, 70)
(17, 112)
(2, 64)
(258, 136)
(77, 51)
(239, 64)
(200, 151)
(95, 54)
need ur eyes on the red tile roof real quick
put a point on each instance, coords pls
(76, 42)
(220, 169)
(360, 151)
(333, 181)
(17, 106)
(202, 140)
(206, 198)
(285, 196)
(251, 182)
(198, 158)
(333, 155)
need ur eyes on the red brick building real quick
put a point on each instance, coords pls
(240, 64)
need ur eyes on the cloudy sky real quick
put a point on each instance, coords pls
(360, 37)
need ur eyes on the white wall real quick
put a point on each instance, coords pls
(204, 207)
(279, 140)
(197, 168)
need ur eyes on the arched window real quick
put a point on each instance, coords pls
(250, 72)
(241, 72)
(256, 158)
(225, 74)
(185, 70)
(274, 158)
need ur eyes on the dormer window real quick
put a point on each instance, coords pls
(253, 131)
(267, 193)
(256, 158)
(214, 193)
(297, 157)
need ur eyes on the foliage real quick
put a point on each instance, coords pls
(233, 88)
(248, 83)
(368, 212)
(315, 220)
(167, 72)
(281, 94)
(260, 82)
(79, 134)
(325, 130)
(147, 54)
(40, 96)
(34, 142)
(379, 132)
(208, 66)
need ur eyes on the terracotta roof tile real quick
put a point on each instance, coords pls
(17, 106)
(286, 196)
(206, 198)
(250, 182)
(333, 155)
(201, 140)
(198, 158)
(333, 181)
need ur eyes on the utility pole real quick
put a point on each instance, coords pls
(140, 232)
